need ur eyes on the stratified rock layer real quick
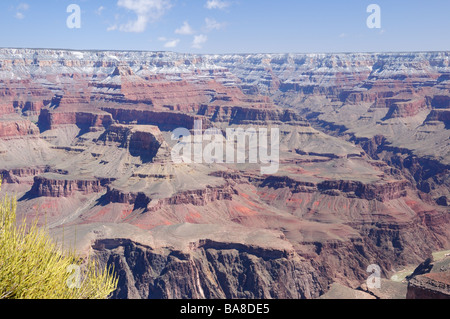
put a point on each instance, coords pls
(363, 178)
(430, 280)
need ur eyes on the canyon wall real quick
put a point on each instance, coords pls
(363, 176)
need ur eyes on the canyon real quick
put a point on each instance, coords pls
(363, 179)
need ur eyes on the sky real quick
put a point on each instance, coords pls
(227, 26)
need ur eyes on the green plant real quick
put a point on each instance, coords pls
(32, 266)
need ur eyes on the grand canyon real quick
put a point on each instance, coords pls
(363, 179)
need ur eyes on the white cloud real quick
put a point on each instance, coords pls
(199, 40)
(185, 29)
(99, 10)
(343, 35)
(172, 43)
(20, 15)
(146, 10)
(169, 43)
(112, 28)
(23, 7)
(216, 4)
(211, 24)
(20, 8)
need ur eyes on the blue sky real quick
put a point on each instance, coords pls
(227, 26)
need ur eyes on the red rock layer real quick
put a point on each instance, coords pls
(17, 128)
(50, 119)
(199, 197)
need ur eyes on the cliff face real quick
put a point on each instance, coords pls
(84, 119)
(17, 128)
(380, 192)
(46, 186)
(429, 287)
(210, 271)
(15, 175)
(430, 280)
(141, 141)
(238, 115)
(200, 197)
(352, 189)
(164, 119)
(363, 165)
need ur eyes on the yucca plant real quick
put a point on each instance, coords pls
(32, 266)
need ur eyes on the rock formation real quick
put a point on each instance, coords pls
(430, 280)
(85, 141)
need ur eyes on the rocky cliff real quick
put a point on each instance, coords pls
(55, 186)
(210, 271)
(16, 128)
(85, 140)
(430, 280)
(142, 141)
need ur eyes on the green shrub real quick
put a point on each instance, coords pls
(33, 267)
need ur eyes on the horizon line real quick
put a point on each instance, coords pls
(230, 53)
